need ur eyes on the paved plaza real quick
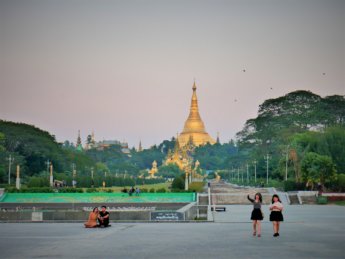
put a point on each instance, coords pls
(310, 231)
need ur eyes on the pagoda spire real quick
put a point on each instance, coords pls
(78, 139)
(140, 147)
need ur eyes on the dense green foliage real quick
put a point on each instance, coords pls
(32, 148)
(287, 129)
(302, 133)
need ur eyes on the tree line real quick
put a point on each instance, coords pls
(301, 133)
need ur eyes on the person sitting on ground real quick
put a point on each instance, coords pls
(92, 222)
(103, 217)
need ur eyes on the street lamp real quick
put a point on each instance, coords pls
(255, 169)
(10, 161)
(286, 162)
(267, 157)
(48, 164)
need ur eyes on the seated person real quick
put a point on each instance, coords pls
(103, 217)
(92, 222)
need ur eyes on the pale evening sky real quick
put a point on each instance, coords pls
(125, 69)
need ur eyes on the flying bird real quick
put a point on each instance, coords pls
(244, 70)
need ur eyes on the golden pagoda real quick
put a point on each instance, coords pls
(194, 128)
(179, 156)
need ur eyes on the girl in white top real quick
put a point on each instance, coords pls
(276, 214)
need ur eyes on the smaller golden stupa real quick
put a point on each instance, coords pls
(153, 170)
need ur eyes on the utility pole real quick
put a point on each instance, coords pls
(10, 161)
(267, 157)
(92, 181)
(74, 174)
(286, 162)
(247, 173)
(48, 164)
(255, 169)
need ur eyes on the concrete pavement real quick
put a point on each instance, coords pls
(308, 232)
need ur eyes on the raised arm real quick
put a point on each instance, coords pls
(250, 199)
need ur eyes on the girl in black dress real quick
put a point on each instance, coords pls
(276, 214)
(256, 213)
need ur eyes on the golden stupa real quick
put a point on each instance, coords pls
(194, 128)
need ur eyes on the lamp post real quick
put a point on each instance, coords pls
(255, 170)
(267, 157)
(92, 181)
(74, 172)
(286, 162)
(10, 161)
(48, 164)
(247, 173)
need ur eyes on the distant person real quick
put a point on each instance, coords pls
(92, 222)
(131, 191)
(257, 214)
(103, 217)
(276, 215)
(137, 191)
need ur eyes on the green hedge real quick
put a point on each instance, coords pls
(291, 185)
(30, 190)
(71, 190)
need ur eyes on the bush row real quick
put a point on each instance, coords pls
(74, 190)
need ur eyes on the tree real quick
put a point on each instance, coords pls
(317, 168)
(178, 182)
(169, 171)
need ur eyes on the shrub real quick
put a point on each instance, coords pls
(161, 190)
(143, 190)
(178, 183)
(152, 190)
(107, 190)
(30, 190)
(11, 190)
(339, 184)
(196, 187)
(38, 182)
(91, 190)
(71, 190)
(291, 185)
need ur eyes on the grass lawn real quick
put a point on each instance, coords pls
(145, 186)
(341, 203)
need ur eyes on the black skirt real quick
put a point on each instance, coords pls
(276, 216)
(256, 215)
